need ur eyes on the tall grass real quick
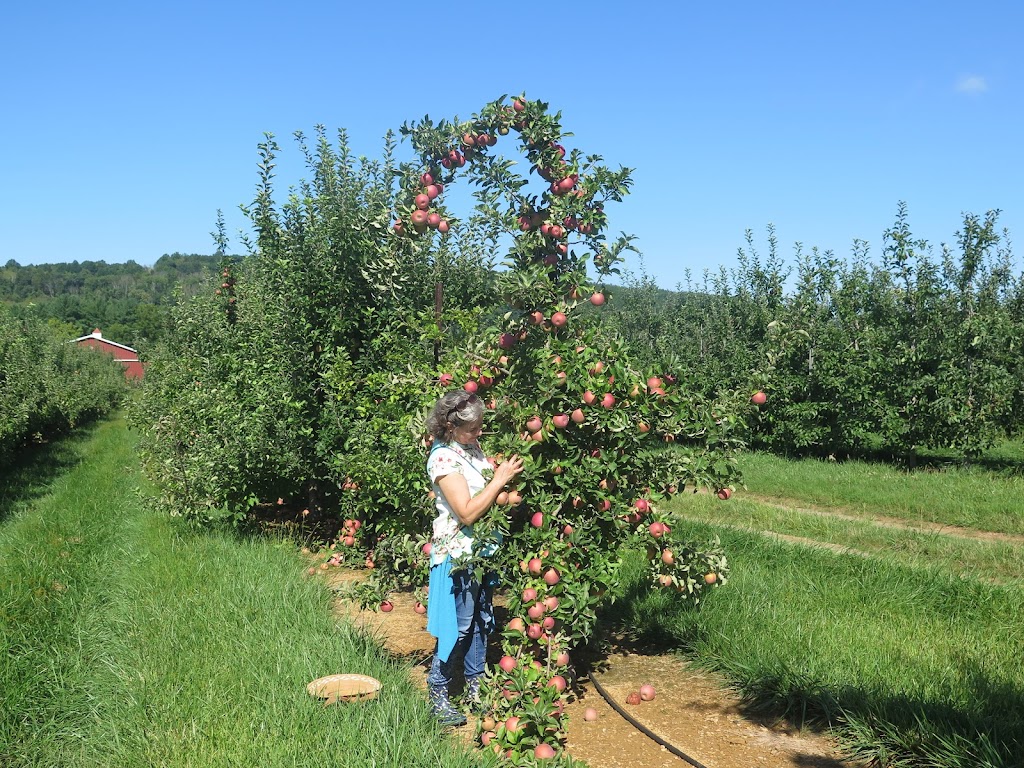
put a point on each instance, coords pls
(126, 640)
(914, 667)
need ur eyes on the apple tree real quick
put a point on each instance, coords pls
(558, 391)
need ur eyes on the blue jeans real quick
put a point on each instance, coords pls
(475, 614)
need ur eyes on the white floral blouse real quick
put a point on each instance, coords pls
(450, 537)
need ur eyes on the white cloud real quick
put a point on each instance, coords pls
(971, 84)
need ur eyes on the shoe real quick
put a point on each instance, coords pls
(472, 694)
(442, 708)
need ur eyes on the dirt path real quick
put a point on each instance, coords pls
(692, 711)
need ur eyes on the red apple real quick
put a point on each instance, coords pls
(444, 379)
(558, 683)
(529, 595)
(710, 578)
(537, 521)
(387, 606)
(517, 625)
(642, 505)
(590, 714)
(560, 420)
(647, 692)
(442, 227)
(422, 201)
(507, 663)
(559, 319)
(667, 557)
(470, 386)
(551, 577)
(608, 401)
(535, 566)
(534, 423)
(534, 631)
(420, 608)
(536, 611)
(759, 398)
(597, 298)
(589, 397)
(633, 698)
(578, 416)
(550, 603)
(506, 341)
(543, 751)
(724, 493)
(426, 179)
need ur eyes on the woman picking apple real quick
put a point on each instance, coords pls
(460, 613)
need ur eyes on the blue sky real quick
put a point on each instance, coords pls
(125, 126)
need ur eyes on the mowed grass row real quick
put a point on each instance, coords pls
(967, 497)
(909, 646)
(126, 640)
(972, 558)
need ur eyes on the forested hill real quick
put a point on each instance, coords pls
(129, 302)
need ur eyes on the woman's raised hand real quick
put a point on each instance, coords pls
(507, 470)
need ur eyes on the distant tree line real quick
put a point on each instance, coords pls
(129, 302)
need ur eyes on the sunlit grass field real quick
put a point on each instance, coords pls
(848, 607)
(126, 640)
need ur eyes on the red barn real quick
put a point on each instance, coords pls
(126, 356)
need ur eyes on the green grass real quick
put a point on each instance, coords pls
(903, 661)
(970, 558)
(126, 640)
(968, 497)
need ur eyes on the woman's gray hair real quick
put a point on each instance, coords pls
(455, 409)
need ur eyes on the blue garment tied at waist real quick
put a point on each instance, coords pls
(442, 622)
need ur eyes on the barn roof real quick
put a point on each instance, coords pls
(96, 334)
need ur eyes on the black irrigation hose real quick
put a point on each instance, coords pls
(642, 728)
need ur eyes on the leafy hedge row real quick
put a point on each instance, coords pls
(861, 355)
(47, 385)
